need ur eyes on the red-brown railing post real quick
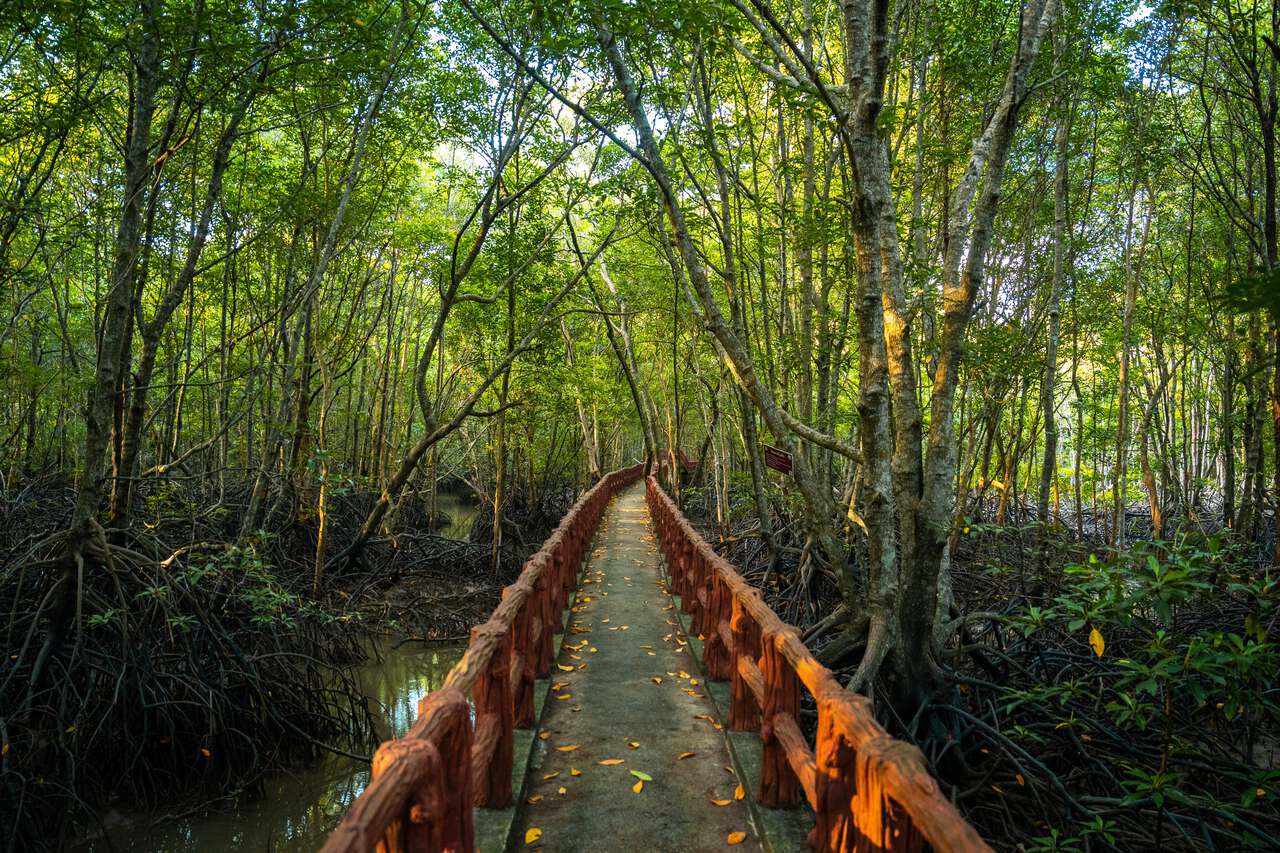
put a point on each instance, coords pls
(689, 603)
(559, 573)
(494, 741)
(543, 606)
(450, 826)
(689, 560)
(716, 657)
(522, 664)
(417, 764)
(693, 583)
(883, 823)
(684, 566)
(779, 787)
(835, 827)
(744, 712)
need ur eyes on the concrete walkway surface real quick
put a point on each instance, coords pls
(629, 755)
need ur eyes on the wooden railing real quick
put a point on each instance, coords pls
(868, 791)
(425, 784)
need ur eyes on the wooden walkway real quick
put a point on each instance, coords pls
(627, 690)
(629, 753)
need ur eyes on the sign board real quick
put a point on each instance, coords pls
(778, 460)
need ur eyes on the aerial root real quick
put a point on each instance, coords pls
(878, 646)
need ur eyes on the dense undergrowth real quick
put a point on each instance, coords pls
(1093, 698)
(195, 663)
(1125, 699)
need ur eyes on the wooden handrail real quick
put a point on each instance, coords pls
(868, 791)
(425, 784)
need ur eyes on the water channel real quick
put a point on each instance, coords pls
(298, 809)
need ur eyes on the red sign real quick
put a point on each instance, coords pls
(778, 460)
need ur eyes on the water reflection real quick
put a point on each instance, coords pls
(297, 810)
(461, 513)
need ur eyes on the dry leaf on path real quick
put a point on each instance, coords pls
(736, 838)
(570, 748)
(532, 835)
(610, 762)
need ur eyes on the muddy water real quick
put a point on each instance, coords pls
(461, 515)
(298, 809)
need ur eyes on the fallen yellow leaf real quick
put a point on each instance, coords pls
(532, 835)
(1096, 642)
(638, 786)
(634, 744)
(570, 748)
(610, 762)
(721, 802)
(736, 838)
(739, 792)
(564, 668)
(550, 775)
(573, 771)
(536, 798)
(657, 679)
(685, 755)
(544, 734)
(563, 790)
(204, 752)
